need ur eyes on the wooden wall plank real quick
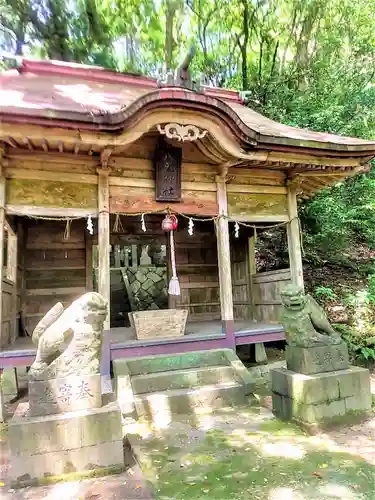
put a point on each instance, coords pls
(51, 194)
(261, 204)
(70, 177)
(150, 184)
(132, 200)
(240, 279)
(242, 188)
(55, 268)
(266, 289)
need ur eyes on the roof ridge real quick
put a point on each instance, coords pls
(94, 73)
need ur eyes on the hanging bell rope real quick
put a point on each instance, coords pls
(67, 229)
(143, 224)
(117, 226)
(191, 227)
(174, 285)
(90, 226)
(236, 230)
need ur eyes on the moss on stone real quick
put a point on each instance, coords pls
(24, 481)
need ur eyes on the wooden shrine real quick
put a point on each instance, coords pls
(91, 163)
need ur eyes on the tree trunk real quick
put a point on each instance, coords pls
(169, 17)
(245, 82)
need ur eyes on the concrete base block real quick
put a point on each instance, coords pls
(182, 379)
(122, 386)
(320, 398)
(321, 359)
(2, 407)
(9, 383)
(64, 443)
(190, 401)
(154, 364)
(162, 386)
(260, 353)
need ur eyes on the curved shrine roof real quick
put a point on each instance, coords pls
(77, 96)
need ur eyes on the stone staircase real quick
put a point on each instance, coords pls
(160, 387)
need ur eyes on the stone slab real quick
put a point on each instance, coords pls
(319, 359)
(320, 397)
(9, 383)
(154, 364)
(40, 465)
(2, 407)
(180, 379)
(288, 409)
(321, 387)
(30, 435)
(260, 353)
(354, 382)
(156, 406)
(122, 386)
(65, 394)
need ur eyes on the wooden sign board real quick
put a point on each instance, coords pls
(167, 163)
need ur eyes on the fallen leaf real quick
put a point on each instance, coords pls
(317, 474)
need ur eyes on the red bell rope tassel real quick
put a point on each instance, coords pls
(169, 224)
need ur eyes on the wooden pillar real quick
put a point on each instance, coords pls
(224, 263)
(88, 262)
(294, 238)
(2, 221)
(252, 272)
(104, 283)
(21, 273)
(2, 226)
(13, 259)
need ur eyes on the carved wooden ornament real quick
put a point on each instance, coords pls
(182, 132)
(167, 164)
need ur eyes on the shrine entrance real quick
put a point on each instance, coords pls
(138, 268)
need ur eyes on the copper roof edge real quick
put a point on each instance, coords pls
(216, 100)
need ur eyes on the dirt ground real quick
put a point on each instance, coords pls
(354, 443)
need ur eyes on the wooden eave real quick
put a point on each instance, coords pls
(119, 121)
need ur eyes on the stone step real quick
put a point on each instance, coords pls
(155, 364)
(157, 406)
(182, 379)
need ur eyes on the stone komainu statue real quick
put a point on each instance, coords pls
(304, 321)
(69, 341)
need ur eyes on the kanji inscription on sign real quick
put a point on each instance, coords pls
(168, 172)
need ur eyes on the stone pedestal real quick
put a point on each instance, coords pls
(319, 387)
(319, 359)
(9, 383)
(75, 442)
(64, 394)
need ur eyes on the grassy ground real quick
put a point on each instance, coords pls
(249, 455)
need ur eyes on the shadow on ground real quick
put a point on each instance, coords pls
(245, 454)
